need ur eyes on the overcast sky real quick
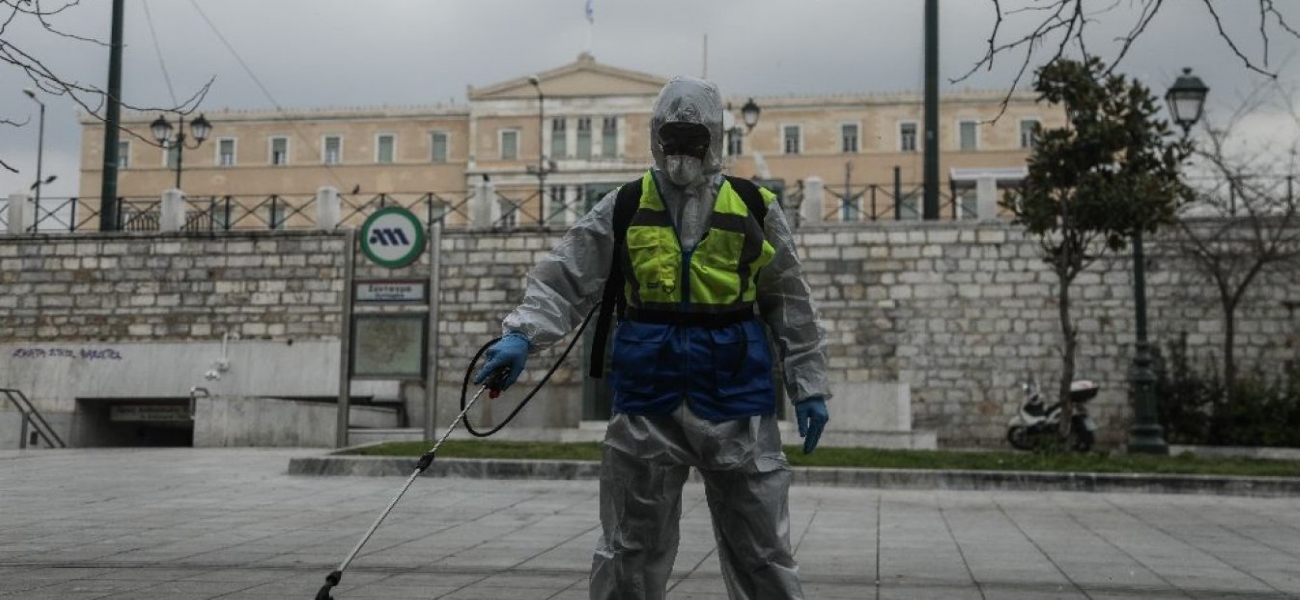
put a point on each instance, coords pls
(313, 53)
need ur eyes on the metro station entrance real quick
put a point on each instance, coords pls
(142, 422)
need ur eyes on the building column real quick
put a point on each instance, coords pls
(172, 214)
(484, 209)
(22, 213)
(327, 208)
(814, 195)
(986, 198)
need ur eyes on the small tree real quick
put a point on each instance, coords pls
(1243, 220)
(1112, 171)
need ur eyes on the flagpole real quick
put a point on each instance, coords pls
(590, 10)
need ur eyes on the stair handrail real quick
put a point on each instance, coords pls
(28, 410)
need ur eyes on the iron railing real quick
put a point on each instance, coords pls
(32, 421)
(858, 202)
(896, 202)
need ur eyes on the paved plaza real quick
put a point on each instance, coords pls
(187, 524)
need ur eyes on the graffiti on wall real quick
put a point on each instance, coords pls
(88, 354)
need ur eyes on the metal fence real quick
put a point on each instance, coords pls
(861, 202)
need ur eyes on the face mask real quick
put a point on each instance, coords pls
(683, 170)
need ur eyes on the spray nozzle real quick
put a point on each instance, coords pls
(496, 381)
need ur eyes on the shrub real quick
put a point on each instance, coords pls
(1191, 403)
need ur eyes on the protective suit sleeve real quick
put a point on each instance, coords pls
(785, 303)
(563, 287)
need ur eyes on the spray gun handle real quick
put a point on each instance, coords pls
(496, 380)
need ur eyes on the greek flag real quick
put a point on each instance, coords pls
(591, 13)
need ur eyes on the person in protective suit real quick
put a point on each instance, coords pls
(691, 368)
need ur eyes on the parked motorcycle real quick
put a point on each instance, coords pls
(1037, 422)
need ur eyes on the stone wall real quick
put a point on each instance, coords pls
(960, 312)
(155, 287)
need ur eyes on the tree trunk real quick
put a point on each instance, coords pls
(1229, 356)
(1069, 336)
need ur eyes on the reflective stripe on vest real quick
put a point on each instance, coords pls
(722, 270)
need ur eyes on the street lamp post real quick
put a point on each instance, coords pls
(1186, 100)
(162, 130)
(40, 144)
(542, 168)
(749, 113)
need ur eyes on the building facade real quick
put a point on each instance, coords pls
(553, 143)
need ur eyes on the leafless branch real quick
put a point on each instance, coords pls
(1056, 25)
(1218, 24)
(1245, 218)
(91, 99)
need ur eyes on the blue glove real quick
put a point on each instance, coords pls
(811, 414)
(511, 351)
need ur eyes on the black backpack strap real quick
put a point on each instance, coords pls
(625, 205)
(748, 191)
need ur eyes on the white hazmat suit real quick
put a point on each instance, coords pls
(647, 458)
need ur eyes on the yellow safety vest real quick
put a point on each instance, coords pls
(718, 276)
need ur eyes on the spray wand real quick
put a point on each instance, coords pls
(493, 383)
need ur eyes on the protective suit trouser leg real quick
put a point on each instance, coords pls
(641, 507)
(751, 523)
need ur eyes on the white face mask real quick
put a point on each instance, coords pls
(684, 170)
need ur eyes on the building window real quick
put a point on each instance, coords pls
(279, 151)
(559, 141)
(509, 144)
(584, 138)
(1029, 133)
(171, 156)
(968, 203)
(439, 144)
(909, 207)
(735, 142)
(226, 152)
(220, 212)
(275, 213)
(556, 205)
(849, 138)
(384, 143)
(907, 137)
(967, 133)
(609, 137)
(850, 211)
(123, 155)
(790, 139)
(333, 150)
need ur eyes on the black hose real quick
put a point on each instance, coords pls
(333, 578)
(469, 374)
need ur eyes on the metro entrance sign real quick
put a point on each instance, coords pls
(392, 237)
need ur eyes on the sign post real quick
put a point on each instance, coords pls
(393, 344)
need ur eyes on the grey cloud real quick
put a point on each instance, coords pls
(337, 53)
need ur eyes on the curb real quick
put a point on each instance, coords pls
(896, 479)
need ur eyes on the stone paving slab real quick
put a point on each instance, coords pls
(182, 524)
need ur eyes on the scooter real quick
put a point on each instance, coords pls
(1037, 422)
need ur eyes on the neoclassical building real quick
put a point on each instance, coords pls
(567, 135)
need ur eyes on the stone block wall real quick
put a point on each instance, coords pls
(156, 287)
(960, 312)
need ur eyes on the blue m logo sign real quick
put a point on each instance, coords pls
(389, 237)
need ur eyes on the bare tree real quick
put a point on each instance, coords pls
(1243, 220)
(35, 15)
(1056, 26)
